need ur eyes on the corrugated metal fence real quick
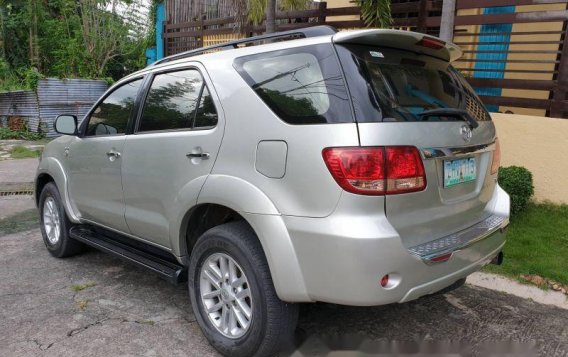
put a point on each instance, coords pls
(52, 98)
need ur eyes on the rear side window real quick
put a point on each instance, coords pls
(301, 85)
(177, 100)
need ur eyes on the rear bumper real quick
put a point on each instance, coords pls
(342, 257)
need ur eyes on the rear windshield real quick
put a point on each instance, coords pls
(394, 85)
(301, 85)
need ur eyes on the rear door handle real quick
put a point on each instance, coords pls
(201, 155)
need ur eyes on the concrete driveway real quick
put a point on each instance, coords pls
(123, 310)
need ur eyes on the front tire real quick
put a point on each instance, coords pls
(233, 297)
(55, 225)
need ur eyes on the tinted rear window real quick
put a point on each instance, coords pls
(395, 85)
(301, 85)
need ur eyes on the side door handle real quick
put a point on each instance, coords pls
(113, 155)
(201, 155)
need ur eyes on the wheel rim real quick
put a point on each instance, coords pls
(225, 295)
(51, 220)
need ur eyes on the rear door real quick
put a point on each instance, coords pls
(391, 89)
(171, 152)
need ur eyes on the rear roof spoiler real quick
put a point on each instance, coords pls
(404, 40)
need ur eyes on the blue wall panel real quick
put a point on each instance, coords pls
(480, 66)
(155, 53)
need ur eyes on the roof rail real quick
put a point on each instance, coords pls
(314, 31)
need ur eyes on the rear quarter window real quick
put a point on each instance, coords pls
(301, 85)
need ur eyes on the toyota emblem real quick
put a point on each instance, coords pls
(466, 133)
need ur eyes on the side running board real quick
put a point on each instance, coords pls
(173, 273)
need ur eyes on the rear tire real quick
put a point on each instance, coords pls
(55, 225)
(271, 325)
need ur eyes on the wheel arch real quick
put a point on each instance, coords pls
(224, 199)
(51, 170)
(41, 180)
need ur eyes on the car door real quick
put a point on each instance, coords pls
(95, 157)
(171, 152)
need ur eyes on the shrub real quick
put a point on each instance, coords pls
(518, 183)
(7, 134)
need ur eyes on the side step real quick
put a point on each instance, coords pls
(174, 273)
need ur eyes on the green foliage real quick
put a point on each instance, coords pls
(70, 39)
(256, 8)
(518, 183)
(80, 287)
(9, 80)
(537, 243)
(31, 77)
(109, 80)
(375, 13)
(7, 134)
(22, 152)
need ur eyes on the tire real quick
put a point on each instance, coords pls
(272, 322)
(58, 242)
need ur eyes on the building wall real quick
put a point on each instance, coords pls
(541, 145)
(331, 4)
(541, 26)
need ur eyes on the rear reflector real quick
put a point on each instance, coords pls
(385, 280)
(441, 258)
(496, 158)
(376, 170)
(431, 43)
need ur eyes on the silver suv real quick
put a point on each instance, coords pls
(354, 168)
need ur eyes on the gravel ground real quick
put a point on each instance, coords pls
(95, 305)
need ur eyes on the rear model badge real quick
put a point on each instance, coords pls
(466, 133)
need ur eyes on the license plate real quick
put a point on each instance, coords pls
(459, 171)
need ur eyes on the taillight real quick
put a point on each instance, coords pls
(376, 170)
(356, 169)
(431, 43)
(496, 158)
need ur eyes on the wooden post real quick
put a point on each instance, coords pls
(202, 28)
(322, 7)
(557, 108)
(165, 40)
(422, 16)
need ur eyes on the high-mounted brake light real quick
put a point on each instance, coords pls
(431, 43)
(376, 170)
(496, 158)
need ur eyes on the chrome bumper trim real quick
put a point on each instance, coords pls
(434, 153)
(441, 247)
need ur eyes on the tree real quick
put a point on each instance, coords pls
(375, 13)
(259, 10)
(72, 38)
(105, 31)
(270, 16)
(447, 22)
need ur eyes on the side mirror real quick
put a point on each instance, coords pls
(66, 124)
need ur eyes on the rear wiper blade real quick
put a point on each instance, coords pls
(452, 112)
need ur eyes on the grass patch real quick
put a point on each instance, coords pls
(80, 287)
(20, 222)
(22, 152)
(537, 243)
(82, 304)
(147, 322)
